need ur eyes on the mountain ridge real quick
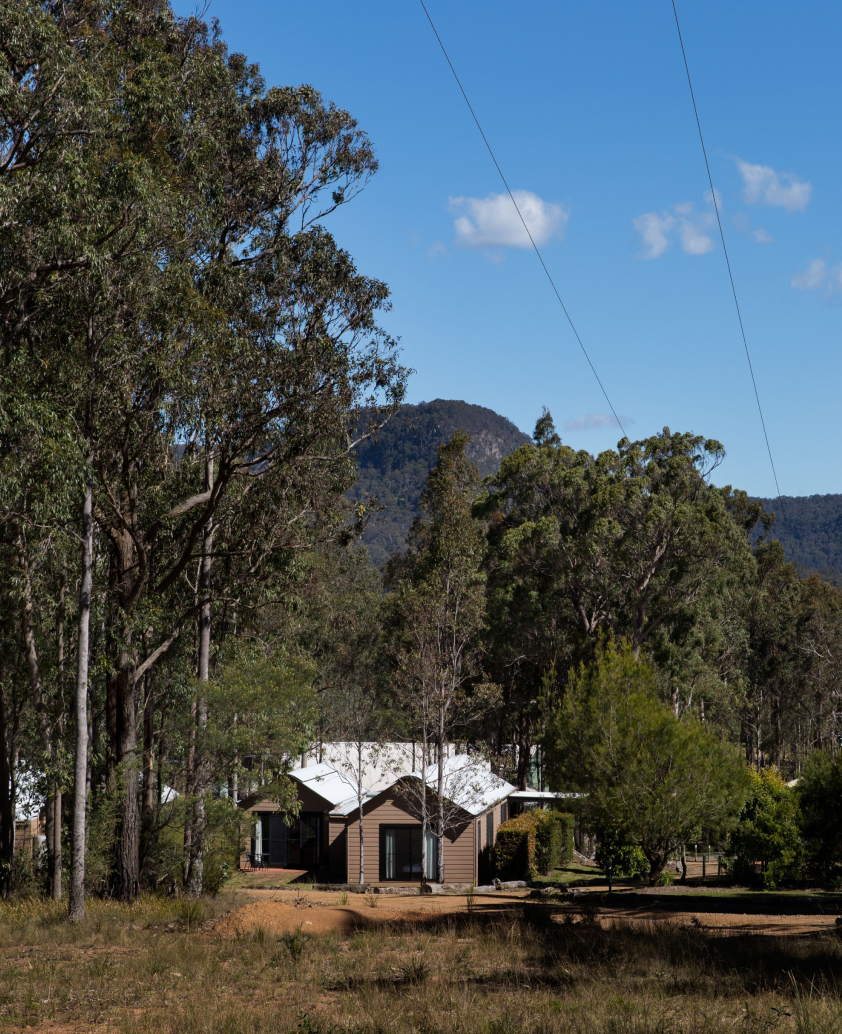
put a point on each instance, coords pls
(393, 467)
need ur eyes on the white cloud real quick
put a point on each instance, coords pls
(656, 230)
(813, 277)
(694, 240)
(762, 185)
(653, 230)
(594, 421)
(493, 222)
(762, 236)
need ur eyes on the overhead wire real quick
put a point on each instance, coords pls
(520, 215)
(733, 285)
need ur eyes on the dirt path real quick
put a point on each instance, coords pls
(282, 911)
(316, 912)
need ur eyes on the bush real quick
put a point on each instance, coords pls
(514, 848)
(765, 845)
(553, 840)
(532, 843)
(820, 796)
(613, 848)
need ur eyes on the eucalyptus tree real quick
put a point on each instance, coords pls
(215, 345)
(633, 540)
(439, 601)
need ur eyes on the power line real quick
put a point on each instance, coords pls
(520, 215)
(731, 278)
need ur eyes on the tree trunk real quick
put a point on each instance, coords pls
(203, 674)
(7, 800)
(523, 754)
(55, 853)
(440, 749)
(425, 819)
(42, 717)
(147, 807)
(127, 857)
(122, 714)
(189, 788)
(360, 796)
(77, 871)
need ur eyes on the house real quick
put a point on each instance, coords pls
(302, 843)
(475, 805)
(324, 838)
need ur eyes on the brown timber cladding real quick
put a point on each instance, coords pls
(460, 846)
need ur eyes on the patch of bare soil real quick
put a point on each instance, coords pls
(722, 922)
(280, 912)
(318, 912)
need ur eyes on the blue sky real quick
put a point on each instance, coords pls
(588, 110)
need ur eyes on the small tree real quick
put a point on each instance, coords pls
(820, 796)
(767, 832)
(439, 607)
(648, 775)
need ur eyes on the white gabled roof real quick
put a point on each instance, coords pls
(468, 783)
(326, 782)
(346, 807)
(543, 795)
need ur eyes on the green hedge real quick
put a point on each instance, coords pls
(514, 849)
(532, 843)
(553, 840)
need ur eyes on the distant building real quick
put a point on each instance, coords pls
(324, 837)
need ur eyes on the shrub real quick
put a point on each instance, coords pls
(626, 859)
(820, 796)
(514, 848)
(532, 843)
(765, 845)
(553, 840)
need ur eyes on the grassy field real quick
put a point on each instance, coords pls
(160, 967)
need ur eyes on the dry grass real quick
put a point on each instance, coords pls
(139, 970)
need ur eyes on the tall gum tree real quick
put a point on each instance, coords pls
(202, 302)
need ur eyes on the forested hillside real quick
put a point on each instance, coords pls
(815, 524)
(394, 468)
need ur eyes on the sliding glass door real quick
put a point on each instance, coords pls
(400, 854)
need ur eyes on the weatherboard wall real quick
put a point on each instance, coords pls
(460, 851)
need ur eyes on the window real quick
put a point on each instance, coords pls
(489, 829)
(504, 811)
(432, 855)
(400, 853)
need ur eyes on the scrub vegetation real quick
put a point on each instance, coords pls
(155, 966)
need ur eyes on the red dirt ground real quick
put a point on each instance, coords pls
(282, 911)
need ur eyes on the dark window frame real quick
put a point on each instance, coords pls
(384, 827)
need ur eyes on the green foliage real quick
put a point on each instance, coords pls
(612, 848)
(514, 848)
(531, 843)
(553, 839)
(819, 793)
(814, 530)
(765, 843)
(261, 705)
(647, 775)
(393, 467)
(633, 541)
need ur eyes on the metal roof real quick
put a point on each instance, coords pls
(326, 782)
(542, 795)
(468, 783)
